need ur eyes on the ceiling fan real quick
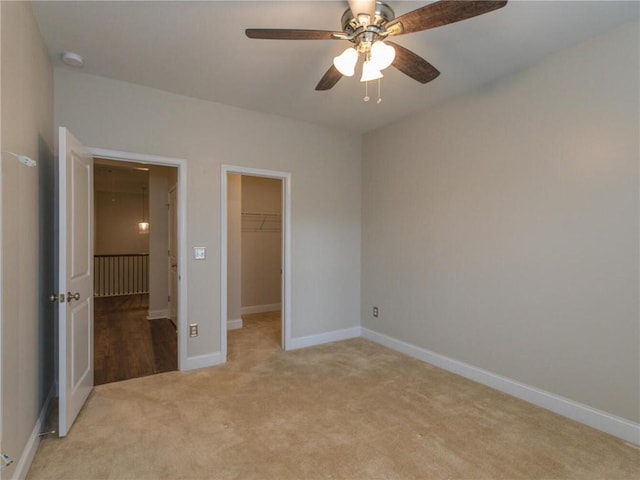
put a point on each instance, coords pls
(368, 25)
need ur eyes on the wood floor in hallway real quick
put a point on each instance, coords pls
(127, 345)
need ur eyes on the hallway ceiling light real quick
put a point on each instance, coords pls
(143, 226)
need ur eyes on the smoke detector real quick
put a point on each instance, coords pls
(72, 59)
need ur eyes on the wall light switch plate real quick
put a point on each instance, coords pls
(193, 329)
(199, 253)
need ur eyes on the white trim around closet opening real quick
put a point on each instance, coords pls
(286, 251)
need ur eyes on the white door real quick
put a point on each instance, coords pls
(173, 256)
(75, 367)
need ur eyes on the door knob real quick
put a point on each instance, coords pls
(73, 296)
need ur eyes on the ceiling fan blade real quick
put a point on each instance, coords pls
(413, 65)
(440, 13)
(363, 7)
(329, 79)
(289, 34)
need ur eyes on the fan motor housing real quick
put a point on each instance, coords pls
(351, 25)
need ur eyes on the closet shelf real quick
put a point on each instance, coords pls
(261, 222)
(260, 214)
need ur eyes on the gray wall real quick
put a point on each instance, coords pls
(500, 228)
(325, 181)
(26, 92)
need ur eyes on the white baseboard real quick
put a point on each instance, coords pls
(272, 307)
(202, 361)
(606, 422)
(30, 449)
(234, 324)
(320, 338)
(156, 314)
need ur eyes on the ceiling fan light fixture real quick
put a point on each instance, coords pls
(346, 62)
(367, 21)
(382, 55)
(370, 72)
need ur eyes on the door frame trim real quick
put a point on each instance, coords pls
(181, 164)
(286, 250)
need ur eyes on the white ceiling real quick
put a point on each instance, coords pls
(199, 49)
(112, 176)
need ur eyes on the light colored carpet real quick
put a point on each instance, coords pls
(346, 410)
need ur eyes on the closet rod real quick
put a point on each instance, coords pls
(261, 214)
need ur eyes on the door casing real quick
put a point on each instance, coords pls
(286, 250)
(172, 273)
(181, 165)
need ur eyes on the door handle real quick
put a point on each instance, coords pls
(73, 296)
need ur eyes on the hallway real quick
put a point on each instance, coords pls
(127, 345)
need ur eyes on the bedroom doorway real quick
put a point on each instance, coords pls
(255, 260)
(134, 332)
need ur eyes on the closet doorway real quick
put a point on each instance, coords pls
(134, 333)
(255, 258)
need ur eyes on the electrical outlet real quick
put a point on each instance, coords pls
(193, 329)
(375, 312)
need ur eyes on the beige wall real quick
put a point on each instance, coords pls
(325, 189)
(26, 91)
(501, 227)
(234, 247)
(261, 248)
(116, 223)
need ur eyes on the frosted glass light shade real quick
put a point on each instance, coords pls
(143, 228)
(370, 72)
(382, 55)
(346, 62)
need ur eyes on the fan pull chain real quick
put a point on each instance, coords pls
(366, 92)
